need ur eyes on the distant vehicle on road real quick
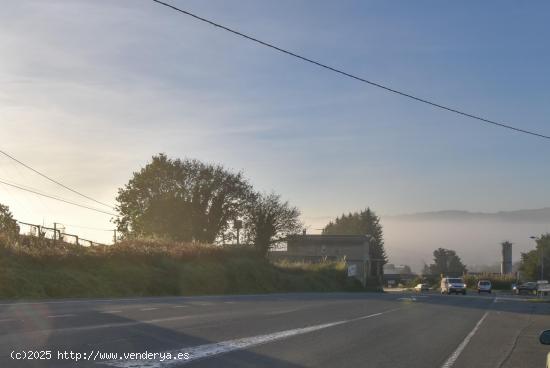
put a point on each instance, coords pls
(451, 285)
(543, 288)
(544, 338)
(484, 286)
(526, 288)
(421, 287)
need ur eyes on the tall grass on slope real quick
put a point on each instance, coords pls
(154, 268)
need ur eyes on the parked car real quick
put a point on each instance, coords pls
(484, 286)
(421, 287)
(451, 285)
(544, 338)
(543, 288)
(526, 288)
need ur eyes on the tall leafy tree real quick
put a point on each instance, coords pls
(361, 223)
(447, 263)
(268, 220)
(182, 200)
(530, 265)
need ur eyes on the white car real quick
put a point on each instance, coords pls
(484, 286)
(421, 287)
(451, 285)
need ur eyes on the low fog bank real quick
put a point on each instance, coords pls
(411, 239)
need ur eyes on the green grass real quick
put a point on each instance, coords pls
(154, 268)
(539, 300)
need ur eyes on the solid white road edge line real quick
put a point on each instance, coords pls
(61, 315)
(210, 350)
(454, 356)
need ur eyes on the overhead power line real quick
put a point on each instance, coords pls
(86, 227)
(344, 73)
(55, 198)
(54, 181)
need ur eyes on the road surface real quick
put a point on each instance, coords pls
(280, 330)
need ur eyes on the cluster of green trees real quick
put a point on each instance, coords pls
(364, 222)
(446, 262)
(192, 201)
(530, 266)
(8, 226)
(189, 200)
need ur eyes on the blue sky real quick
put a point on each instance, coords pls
(90, 90)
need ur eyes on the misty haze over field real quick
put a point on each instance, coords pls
(411, 239)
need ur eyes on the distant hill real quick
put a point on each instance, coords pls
(539, 216)
(476, 236)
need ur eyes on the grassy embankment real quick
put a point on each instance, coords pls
(150, 268)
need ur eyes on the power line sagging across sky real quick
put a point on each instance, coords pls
(350, 75)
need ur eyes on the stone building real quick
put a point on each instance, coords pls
(353, 249)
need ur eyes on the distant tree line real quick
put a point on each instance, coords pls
(192, 201)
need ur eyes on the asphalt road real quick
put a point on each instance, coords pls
(281, 330)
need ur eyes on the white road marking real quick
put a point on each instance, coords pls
(180, 306)
(7, 320)
(454, 356)
(284, 311)
(72, 301)
(61, 315)
(412, 299)
(111, 311)
(211, 350)
(202, 304)
(148, 309)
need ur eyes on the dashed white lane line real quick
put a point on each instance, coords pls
(180, 306)
(75, 301)
(7, 320)
(61, 315)
(148, 309)
(412, 298)
(284, 311)
(202, 304)
(111, 312)
(211, 350)
(454, 356)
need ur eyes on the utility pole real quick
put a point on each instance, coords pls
(114, 236)
(238, 224)
(54, 233)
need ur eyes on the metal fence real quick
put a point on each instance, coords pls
(55, 234)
